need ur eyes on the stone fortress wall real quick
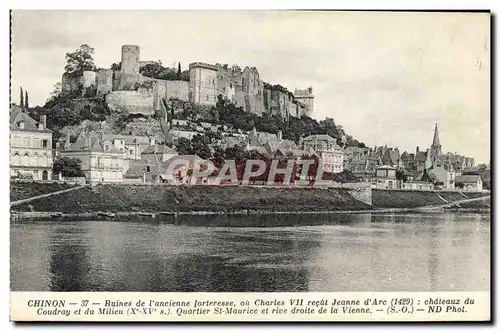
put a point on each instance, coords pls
(128, 89)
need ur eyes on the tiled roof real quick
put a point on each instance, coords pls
(138, 167)
(17, 116)
(467, 179)
(320, 137)
(159, 149)
(421, 156)
(283, 144)
(93, 143)
(128, 139)
(191, 159)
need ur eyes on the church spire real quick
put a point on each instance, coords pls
(436, 145)
(435, 140)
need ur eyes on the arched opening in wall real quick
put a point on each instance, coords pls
(148, 168)
(15, 159)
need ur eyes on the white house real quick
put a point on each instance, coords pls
(469, 182)
(30, 147)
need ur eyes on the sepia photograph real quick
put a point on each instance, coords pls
(250, 151)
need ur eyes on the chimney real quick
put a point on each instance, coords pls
(43, 119)
(67, 142)
(280, 135)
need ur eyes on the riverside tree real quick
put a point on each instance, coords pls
(68, 167)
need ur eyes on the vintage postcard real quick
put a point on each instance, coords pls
(277, 165)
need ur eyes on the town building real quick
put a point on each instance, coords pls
(31, 155)
(469, 182)
(392, 157)
(417, 185)
(444, 176)
(329, 153)
(386, 177)
(460, 163)
(354, 153)
(101, 160)
(158, 153)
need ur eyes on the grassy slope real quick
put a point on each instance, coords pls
(200, 198)
(24, 190)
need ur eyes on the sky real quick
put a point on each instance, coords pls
(387, 78)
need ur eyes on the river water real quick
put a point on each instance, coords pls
(330, 253)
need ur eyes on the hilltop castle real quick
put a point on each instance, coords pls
(127, 88)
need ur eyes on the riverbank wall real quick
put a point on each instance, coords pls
(159, 198)
(227, 200)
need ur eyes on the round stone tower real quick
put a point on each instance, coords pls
(130, 59)
(129, 74)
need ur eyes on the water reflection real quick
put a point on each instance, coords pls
(336, 252)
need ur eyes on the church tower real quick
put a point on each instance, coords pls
(436, 146)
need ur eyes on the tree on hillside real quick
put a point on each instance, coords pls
(80, 60)
(21, 98)
(156, 70)
(184, 76)
(26, 103)
(329, 127)
(183, 146)
(68, 167)
(56, 91)
(400, 175)
(179, 71)
(116, 66)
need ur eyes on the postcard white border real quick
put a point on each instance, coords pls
(434, 4)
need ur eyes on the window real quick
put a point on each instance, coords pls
(106, 148)
(40, 126)
(45, 143)
(131, 151)
(21, 125)
(148, 168)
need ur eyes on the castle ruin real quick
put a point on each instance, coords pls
(128, 88)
